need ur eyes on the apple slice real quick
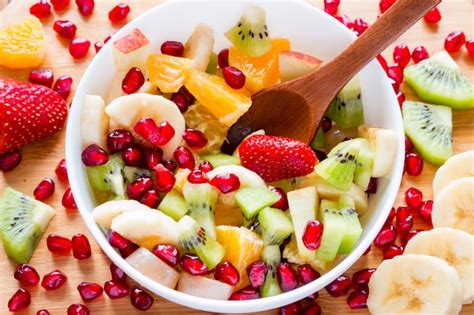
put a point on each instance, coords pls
(294, 64)
(131, 50)
(204, 287)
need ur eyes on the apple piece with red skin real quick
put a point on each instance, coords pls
(295, 64)
(131, 50)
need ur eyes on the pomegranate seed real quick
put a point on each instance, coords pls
(223, 58)
(77, 309)
(344, 19)
(20, 300)
(247, 293)
(307, 274)
(184, 158)
(132, 156)
(43, 312)
(312, 309)
(312, 235)
(86, 7)
(326, 123)
(195, 139)
(205, 166)
(94, 155)
(53, 280)
(360, 26)
(386, 236)
(60, 4)
(401, 55)
(197, 177)
(181, 101)
(65, 28)
(140, 299)
(372, 187)
(384, 5)
(257, 272)
(391, 251)
(470, 47)
(168, 253)
(119, 13)
(170, 165)
(185, 92)
(58, 244)
(98, 46)
(61, 171)
(89, 291)
(340, 286)
(164, 179)
(234, 77)
(81, 248)
(433, 16)
(125, 247)
(331, 6)
(26, 274)
(155, 135)
(108, 38)
(136, 189)
(226, 183)
(413, 164)
(407, 237)
(419, 53)
(382, 62)
(287, 277)
(119, 140)
(357, 299)
(151, 199)
(361, 278)
(395, 85)
(291, 309)
(45, 189)
(282, 203)
(117, 274)
(41, 10)
(400, 98)
(227, 273)
(404, 220)
(43, 77)
(153, 156)
(133, 80)
(413, 197)
(68, 201)
(172, 48)
(116, 289)
(79, 47)
(63, 86)
(425, 211)
(9, 161)
(408, 145)
(390, 217)
(395, 72)
(193, 265)
(454, 41)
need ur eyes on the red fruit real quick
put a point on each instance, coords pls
(291, 309)
(275, 158)
(470, 47)
(136, 189)
(86, 7)
(89, 291)
(184, 158)
(168, 253)
(170, 165)
(42, 77)
(181, 101)
(164, 179)
(205, 166)
(408, 145)
(357, 299)
(312, 309)
(391, 251)
(282, 203)
(116, 289)
(257, 271)
(362, 277)
(404, 220)
(197, 177)
(395, 85)
(94, 155)
(372, 187)
(117, 274)
(119, 13)
(227, 273)
(125, 247)
(223, 58)
(26, 274)
(33, 112)
(60, 4)
(410, 235)
(400, 98)
(287, 277)
(390, 217)
(344, 19)
(312, 235)
(340, 286)
(68, 201)
(326, 123)
(98, 46)
(155, 135)
(43, 312)
(20, 300)
(172, 48)
(153, 156)
(331, 6)
(53, 280)
(79, 47)
(61, 171)
(133, 80)
(226, 183)
(419, 53)
(151, 199)
(386, 236)
(307, 274)
(234, 77)
(425, 211)
(360, 26)
(193, 265)
(58, 244)
(140, 299)
(81, 248)
(9, 161)
(413, 197)
(382, 62)
(65, 28)
(413, 164)
(433, 16)
(119, 140)
(44, 190)
(41, 10)
(108, 38)
(77, 309)
(195, 139)
(384, 5)
(244, 294)
(395, 72)
(454, 41)
(63, 85)
(401, 55)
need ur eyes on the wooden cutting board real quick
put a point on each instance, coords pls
(40, 159)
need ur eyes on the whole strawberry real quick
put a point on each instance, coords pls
(28, 112)
(276, 158)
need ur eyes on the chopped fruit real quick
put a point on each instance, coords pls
(221, 159)
(168, 73)
(344, 19)
(68, 201)
(313, 234)
(53, 280)
(140, 299)
(199, 47)
(287, 277)
(150, 199)
(205, 166)
(19, 301)
(223, 58)
(401, 55)
(85, 7)
(116, 289)
(419, 54)
(131, 50)
(9, 161)
(234, 77)
(63, 85)
(79, 47)
(245, 294)
(307, 274)
(360, 26)
(204, 287)
(346, 109)
(433, 16)
(227, 273)
(184, 158)
(413, 197)
(156, 135)
(272, 257)
(193, 265)
(65, 28)
(340, 286)
(252, 200)
(45, 189)
(413, 164)
(358, 299)
(81, 248)
(334, 230)
(195, 139)
(89, 291)
(77, 309)
(282, 203)
(133, 81)
(386, 236)
(43, 77)
(119, 140)
(136, 189)
(353, 229)
(94, 155)
(274, 226)
(164, 178)
(425, 211)
(172, 48)
(168, 253)
(41, 10)
(58, 244)
(293, 64)
(27, 275)
(362, 277)
(257, 271)
(226, 183)
(454, 41)
(125, 247)
(201, 199)
(119, 13)
(174, 205)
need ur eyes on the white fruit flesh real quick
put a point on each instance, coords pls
(115, 88)
(131, 50)
(384, 145)
(94, 122)
(458, 166)
(294, 64)
(199, 46)
(106, 212)
(204, 287)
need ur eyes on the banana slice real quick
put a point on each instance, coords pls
(199, 46)
(384, 145)
(94, 122)
(455, 247)
(415, 284)
(454, 206)
(106, 212)
(457, 166)
(125, 111)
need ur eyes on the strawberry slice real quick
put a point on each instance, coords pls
(276, 158)
(28, 112)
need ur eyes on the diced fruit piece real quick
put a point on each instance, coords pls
(212, 66)
(23, 220)
(133, 80)
(247, 293)
(257, 272)
(282, 203)
(199, 46)
(252, 200)
(287, 277)
(226, 183)
(174, 205)
(193, 265)
(204, 287)
(334, 230)
(108, 177)
(124, 246)
(169, 73)
(274, 226)
(94, 122)
(201, 201)
(227, 273)
(223, 58)
(295, 64)
(346, 109)
(291, 254)
(353, 228)
(106, 212)
(271, 256)
(221, 159)
(184, 158)
(131, 50)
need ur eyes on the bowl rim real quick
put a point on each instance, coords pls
(75, 168)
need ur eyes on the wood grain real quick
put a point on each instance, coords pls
(40, 159)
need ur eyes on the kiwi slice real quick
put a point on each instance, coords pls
(212, 65)
(173, 205)
(319, 141)
(201, 201)
(353, 228)
(251, 34)
(274, 226)
(194, 239)
(346, 109)
(286, 185)
(333, 232)
(132, 173)
(253, 199)
(221, 159)
(429, 127)
(23, 220)
(439, 80)
(271, 256)
(108, 177)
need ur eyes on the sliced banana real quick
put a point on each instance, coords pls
(458, 166)
(415, 284)
(106, 212)
(454, 206)
(455, 247)
(125, 111)
(199, 46)
(94, 122)
(384, 145)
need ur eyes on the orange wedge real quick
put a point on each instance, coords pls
(168, 73)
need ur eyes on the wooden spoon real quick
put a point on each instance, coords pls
(295, 108)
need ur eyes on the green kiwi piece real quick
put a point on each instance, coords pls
(253, 199)
(212, 65)
(439, 80)
(271, 256)
(193, 238)
(333, 232)
(429, 127)
(274, 226)
(319, 140)
(132, 173)
(23, 220)
(353, 228)
(108, 177)
(221, 159)
(201, 201)
(346, 109)
(251, 34)
(173, 205)
(286, 185)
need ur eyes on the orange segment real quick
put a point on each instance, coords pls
(168, 73)
(263, 71)
(22, 45)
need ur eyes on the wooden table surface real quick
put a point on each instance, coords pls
(40, 159)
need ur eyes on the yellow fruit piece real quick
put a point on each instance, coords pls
(262, 71)
(168, 73)
(221, 100)
(22, 45)
(242, 247)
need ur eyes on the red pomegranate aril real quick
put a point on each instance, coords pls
(470, 47)
(403, 221)
(181, 101)
(193, 265)
(58, 244)
(386, 236)
(68, 201)
(454, 41)
(197, 177)
(140, 299)
(407, 237)
(244, 294)
(117, 274)
(125, 247)
(89, 291)
(20, 300)
(137, 188)
(395, 85)
(391, 251)
(41, 10)
(433, 16)
(43, 77)
(81, 248)
(257, 271)
(26, 274)
(9, 161)
(227, 273)
(172, 48)
(390, 217)
(43, 312)
(116, 289)
(45, 189)
(184, 158)
(384, 5)
(357, 299)
(86, 7)
(164, 179)
(395, 72)
(132, 156)
(312, 235)
(133, 80)
(119, 13)
(205, 166)
(360, 26)
(170, 165)
(79, 47)
(361, 278)
(98, 46)
(372, 187)
(408, 145)
(168, 253)
(307, 274)
(63, 85)
(65, 28)
(154, 134)
(223, 58)
(153, 157)
(282, 203)
(291, 309)
(413, 164)
(383, 62)
(419, 53)
(344, 19)
(77, 309)
(331, 6)
(425, 211)
(234, 77)
(94, 155)
(194, 138)
(401, 55)
(287, 277)
(326, 124)
(151, 199)
(60, 4)
(400, 98)
(312, 309)
(119, 140)
(226, 183)
(413, 197)
(53, 280)
(61, 171)
(339, 287)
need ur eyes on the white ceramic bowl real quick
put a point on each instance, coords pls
(310, 30)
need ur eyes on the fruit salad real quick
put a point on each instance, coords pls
(209, 222)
